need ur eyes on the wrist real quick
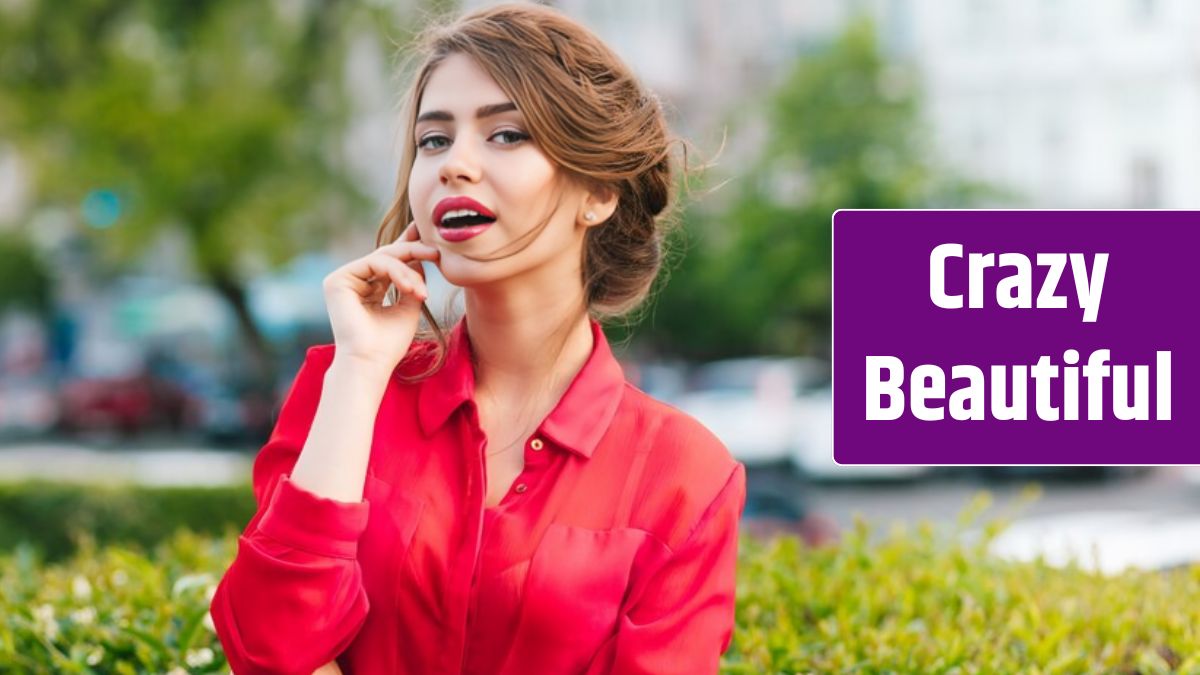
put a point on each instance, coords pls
(353, 369)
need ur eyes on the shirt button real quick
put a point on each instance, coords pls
(536, 444)
(521, 487)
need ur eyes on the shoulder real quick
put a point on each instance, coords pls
(687, 469)
(678, 437)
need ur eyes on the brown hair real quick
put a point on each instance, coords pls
(589, 115)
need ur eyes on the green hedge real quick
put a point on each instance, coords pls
(52, 517)
(912, 604)
(113, 610)
(919, 601)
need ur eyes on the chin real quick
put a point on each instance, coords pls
(467, 273)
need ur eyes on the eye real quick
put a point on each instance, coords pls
(510, 136)
(433, 142)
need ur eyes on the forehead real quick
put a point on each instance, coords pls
(459, 84)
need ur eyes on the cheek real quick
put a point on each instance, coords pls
(421, 182)
(538, 174)
(528, 184)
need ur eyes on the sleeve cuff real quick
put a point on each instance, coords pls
(298, 518)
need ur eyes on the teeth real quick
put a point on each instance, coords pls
(460, 213)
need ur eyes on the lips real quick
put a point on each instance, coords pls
(450, 213)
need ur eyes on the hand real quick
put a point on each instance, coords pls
(366, 332)
(330, 668)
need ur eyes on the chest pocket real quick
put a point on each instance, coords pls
(384, 547)
(572, 596)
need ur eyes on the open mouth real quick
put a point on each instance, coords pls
(464, 218)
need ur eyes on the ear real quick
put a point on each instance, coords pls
(597, 206)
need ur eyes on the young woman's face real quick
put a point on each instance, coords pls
(474, 155)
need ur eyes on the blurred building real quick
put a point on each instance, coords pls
(1070, 103)
(706, 56)
(1061, 103)
(715, 62)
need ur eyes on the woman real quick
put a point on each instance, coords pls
(498, 499)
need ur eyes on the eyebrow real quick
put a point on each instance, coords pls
(480, 113)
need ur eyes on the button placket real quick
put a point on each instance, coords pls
(522, 485)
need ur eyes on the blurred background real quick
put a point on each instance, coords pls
(176, 178)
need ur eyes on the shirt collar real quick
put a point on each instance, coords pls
(576, 423)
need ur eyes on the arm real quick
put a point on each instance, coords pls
(684, 620)
(293, 598)
(333, 463)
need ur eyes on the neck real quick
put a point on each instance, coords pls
(527, 344)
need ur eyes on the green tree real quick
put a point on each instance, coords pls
(24, 279)
(221, 118)
(755, 277)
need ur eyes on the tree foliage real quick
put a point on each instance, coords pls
(755, 275)
(24, 279)
(222, 119)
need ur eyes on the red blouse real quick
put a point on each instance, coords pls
(614, 551)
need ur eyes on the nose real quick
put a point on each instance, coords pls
(460, 162)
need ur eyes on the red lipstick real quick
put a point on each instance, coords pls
(460, 218)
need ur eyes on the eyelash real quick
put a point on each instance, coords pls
(423, 142)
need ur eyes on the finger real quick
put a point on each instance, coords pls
(372, 268)
(411, 258)
(414, 282)
(412, 235)
(364, 276)
(410, 250)
(416, 266)
(404, 278)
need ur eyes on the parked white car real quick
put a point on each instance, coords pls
(749, 404)
(775, 410)
(812, 446)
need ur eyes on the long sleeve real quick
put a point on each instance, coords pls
(684, 620)
(292, 599)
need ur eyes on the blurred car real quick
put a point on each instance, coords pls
(812, 450)
(127, 404)
(664, 381)
(776, 505)
(234, 412)
(28, 405)
(769, 410)
(749, 403)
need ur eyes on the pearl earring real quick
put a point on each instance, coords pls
(589, 216)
